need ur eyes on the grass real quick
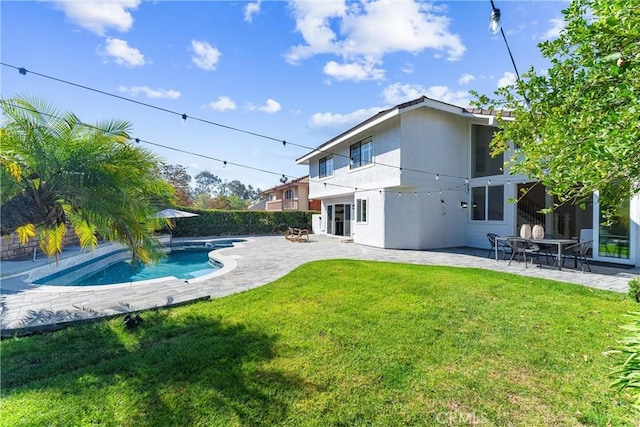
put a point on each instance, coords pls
(341, 343)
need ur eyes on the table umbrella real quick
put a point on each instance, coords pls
(173, 213)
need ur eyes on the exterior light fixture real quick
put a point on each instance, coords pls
(464, 205)
(495, 26)
(437, 176)
(494, 21)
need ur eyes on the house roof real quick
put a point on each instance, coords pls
(384, 115)
(302, 180)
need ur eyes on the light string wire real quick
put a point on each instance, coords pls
(225, 162)
(184, 116)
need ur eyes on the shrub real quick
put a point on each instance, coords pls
(627, 373)
(634, 289)
(236, 223)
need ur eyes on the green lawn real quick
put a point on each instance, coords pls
(337, 343)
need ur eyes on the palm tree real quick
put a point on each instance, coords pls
(56, 170)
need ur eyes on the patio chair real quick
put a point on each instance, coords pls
(578, 252)
(296, 234)
(502, 246)
(523, 248)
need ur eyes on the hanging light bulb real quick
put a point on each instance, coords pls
(494, 21)
(284, 144)
(283, 179)
(224, 164)
(184, 119)
(437, 176)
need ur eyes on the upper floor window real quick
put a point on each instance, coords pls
(326, 166)
(289, 194)
(361, 153)
(482, 163)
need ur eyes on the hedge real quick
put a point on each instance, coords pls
(235, 223)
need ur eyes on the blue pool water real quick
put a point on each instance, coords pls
(187, 264)
(183, 264)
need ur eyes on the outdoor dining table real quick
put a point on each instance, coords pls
(560, 243)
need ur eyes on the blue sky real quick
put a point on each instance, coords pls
(300, 71)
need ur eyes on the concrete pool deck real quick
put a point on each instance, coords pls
(26, 308)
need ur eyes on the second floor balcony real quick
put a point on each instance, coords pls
(283, 205)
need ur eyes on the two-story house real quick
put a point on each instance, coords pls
(420, 176)
(290, 196)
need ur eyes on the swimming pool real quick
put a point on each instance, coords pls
(183, 264)
(187, 261)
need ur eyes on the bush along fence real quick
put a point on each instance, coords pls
(236, 223)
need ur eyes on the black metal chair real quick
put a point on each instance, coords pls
(578, 252)
(523, 249)
(502, 246)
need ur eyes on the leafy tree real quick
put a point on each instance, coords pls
(203, 201)
(237, 188)
(232, 202)
(576, 125)
(56, 170)
(207, 183)
(177, 176)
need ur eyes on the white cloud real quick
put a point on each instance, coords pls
(353, 71)
(557, 25)
(364, 32)
(397, 93)
(271, 106)
(151, 93)
(459, 98)
(251, 9)
(222, 104)
(205, 56)
(466, 79)
(122, 53)
(334, 121)
(98, 16)
(507, 79)
(408, 68)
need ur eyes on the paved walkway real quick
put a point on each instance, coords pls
(27, 308)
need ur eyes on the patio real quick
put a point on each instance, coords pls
(256, 262)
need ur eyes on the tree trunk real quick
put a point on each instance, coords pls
(29, 207)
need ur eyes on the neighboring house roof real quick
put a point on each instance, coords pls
(384, 115)
(294, 182)
(258, 206)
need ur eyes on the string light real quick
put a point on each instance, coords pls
(225, 162)
(184, 116)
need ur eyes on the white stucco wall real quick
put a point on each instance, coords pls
(437, 142)
(386, 151)
(371, 232)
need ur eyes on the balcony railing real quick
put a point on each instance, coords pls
(283, 205)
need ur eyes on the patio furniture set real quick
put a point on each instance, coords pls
(533, 244)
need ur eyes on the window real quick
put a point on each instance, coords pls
(289, 194)
(488, 203)
(361, 210)
(482, 163)
(326, 167)
(361, 153)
